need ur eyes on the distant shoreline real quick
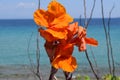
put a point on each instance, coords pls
(22, 72)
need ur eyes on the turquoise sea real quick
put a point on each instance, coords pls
(15, 35)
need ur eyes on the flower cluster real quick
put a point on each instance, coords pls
(61, 35)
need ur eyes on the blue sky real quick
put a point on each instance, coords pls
(23, 9)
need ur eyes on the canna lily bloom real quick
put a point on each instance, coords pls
(55, 17)
(58, 29)
(61, 36)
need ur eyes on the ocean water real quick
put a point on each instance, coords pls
(15, 35)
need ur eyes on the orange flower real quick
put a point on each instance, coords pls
(61, 55)
(55, 16)
(57, 28)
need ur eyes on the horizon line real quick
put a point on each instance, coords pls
(32, 18)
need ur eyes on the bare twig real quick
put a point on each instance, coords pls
(38, 4)
(106, 36)
(86, 26)
(37, 71)
(86, 53)
(80, 20)
(31, 63)
(85, 15)
(93, 57)
(38, 74)
(110, 44)
(38, 58)
(29, 57)
(32, 68)
(86, 23)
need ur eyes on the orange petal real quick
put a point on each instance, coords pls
(91, 41)
(73, 28)
(64, 50)
(62, 21)
(39, 18)
(52, 35)
(47, 36)
(56, 9)
(81, 32)
(66, 64)
(82, 46)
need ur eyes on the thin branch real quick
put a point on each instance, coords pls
(31, 63)
(38, 4)
(110, 18)
(38, 74)
(80, 20)
(86, 53)
(110, 44)
(38, 58)
(85, 22)
(97, 71)
(93, 57)
(106, 35)
(86, 26)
